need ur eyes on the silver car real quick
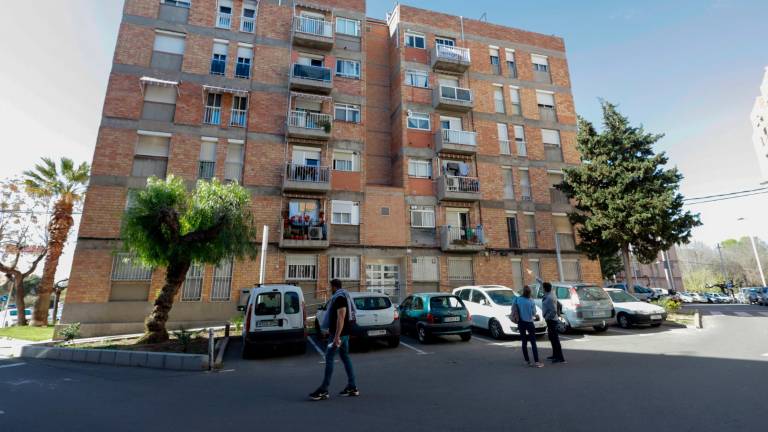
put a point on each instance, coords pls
(583, 305)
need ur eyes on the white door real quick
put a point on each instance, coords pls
(383, 277)
(483, 309)
(452, 123)
(292, 315)
(457, 217)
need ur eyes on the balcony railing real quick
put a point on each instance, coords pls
(212, 115)
(522, 151)
(298, 232)
(557, 196)
(452, 53)
(455, 93)
(547, 113)
(541, 76)
(307, 173)
(218, 66)
(313, 26)
(462, 184)
(238, 117)
(247, 24)
(308, 120)
(530, 237)
(233, 171)
(566, 241)
(148, 166)
(526, 193)
(451, 136)
(316, 73)
(553, 153)
(243, 70)
(224, 20)
(206, 170)
(463, 236)
(498, 105)
(504, 147)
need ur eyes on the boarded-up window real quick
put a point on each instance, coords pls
(426, 269)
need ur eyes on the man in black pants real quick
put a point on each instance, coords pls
(549, 309)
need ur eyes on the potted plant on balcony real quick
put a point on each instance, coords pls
(325, 124)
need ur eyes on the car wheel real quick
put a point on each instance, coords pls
(421, 334)
(600, 328)
(563, 326)
(393, 342)
(465, 337)
(623, 320)
(494, 327)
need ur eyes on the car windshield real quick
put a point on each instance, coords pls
(372, 303)
(504, 297)
(267, 304)
(445, 302)
(591, 292)
(621, 297)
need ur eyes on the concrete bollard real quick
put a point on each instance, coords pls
(697, 319)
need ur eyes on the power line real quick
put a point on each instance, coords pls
(765, 188)
(727, 198)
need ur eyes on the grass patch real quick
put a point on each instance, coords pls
(197, 345)
(29, 333)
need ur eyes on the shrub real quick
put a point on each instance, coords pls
(71, 331)
(669, 305)
(237, 322)
(185, 338)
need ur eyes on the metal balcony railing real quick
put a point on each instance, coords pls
(566, 241)
(308, 120)
(301, 228)
(522, 150)
(316, 73)
(307, 173)
(462, 184)
(553, 153)
(459, 137)
(212, 115)
(504, 147)
(238, 117)
(463, 235)
(313, 26)
(224, 20)
(218, 66)
(206, 170)
(547, 113)
(233, 171)
(247, 24)
(557, 196)
(526, 192)
(243, 70)
(452, 53)
(455, 93)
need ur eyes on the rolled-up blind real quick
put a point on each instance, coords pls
(220, 48)
(244, 52)
(208, 151)
(149, 145)
(562, 224)
(539, 59)
(169, 43)
(153, 93)
(549, 136)
(545, 98)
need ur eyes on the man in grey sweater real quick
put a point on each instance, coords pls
(549, 309)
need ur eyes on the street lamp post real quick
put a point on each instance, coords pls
(757, 257)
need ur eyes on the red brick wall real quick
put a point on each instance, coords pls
(134, 45)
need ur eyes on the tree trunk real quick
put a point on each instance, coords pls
(18, 286)
(629, 278)
(58, 231)
(56, 296)
(154, 325)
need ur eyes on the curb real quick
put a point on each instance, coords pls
(152, 360)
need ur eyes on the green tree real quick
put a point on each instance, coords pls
(625, 198)
(611, 265)
(65, 186)
(172, 228)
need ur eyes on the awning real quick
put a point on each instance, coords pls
(311, 96)
(312, 6)
(145, 81)
(220, 90)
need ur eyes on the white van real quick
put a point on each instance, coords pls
(274, 315)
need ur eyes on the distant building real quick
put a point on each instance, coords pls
(759, 119)
(653, 275)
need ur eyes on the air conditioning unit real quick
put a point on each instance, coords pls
(316, 233)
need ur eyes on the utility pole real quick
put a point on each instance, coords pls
(559, 258)
(722, 265)
(757, 258)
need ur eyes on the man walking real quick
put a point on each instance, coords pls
(549, 309)
(337, 319)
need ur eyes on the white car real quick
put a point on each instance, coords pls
(660, 292)
(490, 307)
(376, 318)
(699, 297)
(686, 297)
(274, 315)
(582, 305)
(632, 311)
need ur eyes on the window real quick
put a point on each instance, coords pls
(530, 231)
(498, 100)
(495, 66)
(540, 63)
(348, 68)
(151, 155)
(125, 267)
(550, 136)
(522, 151)
(514, 242)
(347, 113)
(503, 134)
(510, 53)
(525, 185)
(222, 280)
(160, 94)
(509, 183)
(422, 216)
(460, 269)
(243, 66)
(219, 60)
(207, 160)
(267, 303)
(345, 213)
(420, 168)
(344, 161)
(192, 290)
(224, 16)
(514, 97)
(572, 272)
(179, 3)
(445, 41)
(239, 111)
(301, 267)
(414, 40)
(233, 167)
(546, 102)
(347, 26)
(535, 268)
(248, 20)
(418, 121)
(345, 268)
(169, 42)
(416, 78)
(212, 112)
(517, 275)
(130, 198)
(425, 269)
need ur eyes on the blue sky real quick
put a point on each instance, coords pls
(687, 68)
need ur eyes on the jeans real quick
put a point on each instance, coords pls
(528, 333)
(330, 353)
(554, 339)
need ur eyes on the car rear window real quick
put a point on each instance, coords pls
(621, 297)
(372, 303)
(502, 297)
(292, 303)
(445, 302)
(267, 304)
(591, 293)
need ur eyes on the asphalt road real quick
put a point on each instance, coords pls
(663, 379)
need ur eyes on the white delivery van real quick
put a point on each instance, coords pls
(274, 316)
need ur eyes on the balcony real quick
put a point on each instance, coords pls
(218, 66)
(454, 188)
(206, 170)
(311, 78)
(456, 141)
(566, 241)
(296, 233)
(233, 171)
(452, 98)
(224, 20)
(306, 178)
(553, 153)
(462, 239)
(247, 24)
(547, 113)
(450, 58)
(238, 118)
(542, 76)
(212, 115)
(305, 124)
(312, 33)
(526, 192)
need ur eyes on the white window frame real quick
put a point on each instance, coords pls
(342, 208)
(345, 27)
(354, 65)
(345, 156)
(415, 36)
(427, 216)
(346, 268)
(349, 111)
(414, 166)
(302, 267)
(412, 73)
(179, 3)
(540, 63)
(419, 118)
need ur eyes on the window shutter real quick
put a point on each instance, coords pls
(171, 44)
(549, 136)
(159, 94)
(514, 95)
(562, 224)
(539, 59)
(244, 52)
(501, 129)
(220, 48)
(208, 151)
(545, 98)
(510, 55)
(519, 133)
(149, 145)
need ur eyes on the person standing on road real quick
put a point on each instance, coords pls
(338, 319)
(549, 309)
(527, 313)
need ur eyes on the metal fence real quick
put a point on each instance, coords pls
(462, 184)
(313, 26)
(307, 173)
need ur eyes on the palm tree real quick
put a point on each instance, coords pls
(65, 186)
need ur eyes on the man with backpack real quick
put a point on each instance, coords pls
(549, 307)
(340, 313)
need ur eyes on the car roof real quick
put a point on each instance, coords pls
(357, 294)
(276, 287)
(433, 294)
(484, 287)
(613, 289)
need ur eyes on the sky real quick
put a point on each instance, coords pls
(690, 69)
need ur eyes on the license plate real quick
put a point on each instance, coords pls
(451, 319)
(267, 323)
(600, 314)
(377, 332)
(655, 317)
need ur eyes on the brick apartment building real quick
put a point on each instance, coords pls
(412, 154)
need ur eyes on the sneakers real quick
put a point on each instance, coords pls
(319, 395)
(536, 365)
(559, 361)
(350, 391)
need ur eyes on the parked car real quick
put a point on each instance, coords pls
(376, 318)
(762, 296)
(435, 314)
(490, 307)
(685, 297)
(583, 305)
(659, 292)
(641, 292)
(754, 296)
(631, 311)
(275, 315)
(699, 297)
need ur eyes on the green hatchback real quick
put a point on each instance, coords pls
(435, 314)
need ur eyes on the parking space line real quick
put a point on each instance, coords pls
(12, 365)
(581, 339)
(488, 341)
(317, 348)
(765, 314)
(715, 313)
(742, 314)
(418, 351)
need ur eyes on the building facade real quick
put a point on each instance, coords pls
(759, 120)
(664, 272)
(412, 154)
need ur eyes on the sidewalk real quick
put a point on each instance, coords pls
(12, 347)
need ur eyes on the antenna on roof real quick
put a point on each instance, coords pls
(484, 17)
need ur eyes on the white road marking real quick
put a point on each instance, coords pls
(715, 313)
(12, 365)
(764, 355)
(581, 339)
(418, 351)
(488, 341)
(765, 314)
(743, 314)
(317, 348)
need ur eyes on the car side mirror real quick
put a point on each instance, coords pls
(241, 308)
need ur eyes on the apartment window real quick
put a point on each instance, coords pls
(564, 232)
(179, 3)
(345, 268)
(571, 270)
(514, 97)
(222, 280)
(243, 66)
(126, 267)
(425, 269)
(546, 102)
(530, 231)
(420, 168)
(418, 121)
(535, 268)
(344, 161)
(159, 103)
(550, 136)
(445, 41)
(540, 63)
(495, 65)
(192, 290)
(207, 167)
(416, 79)
(414, 40)
(168, 50)
(348, 68)
(345, 213)
(511, 63)
(219, 60)
(552, 150)
(301, 267)
(525, 185)
(514, 242)
(224, 14)
(233, 167)
(151, 155)
(520, 145)
(509, 188)
(503, 134)
(422, 216)
(248, 20)
(212, 112)
(347, 113)
(239, 111)
(498, 100)
(347, 26)
(517, 275)
(160, 94)
(460, 269)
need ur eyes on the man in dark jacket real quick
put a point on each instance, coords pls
(549, 309)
